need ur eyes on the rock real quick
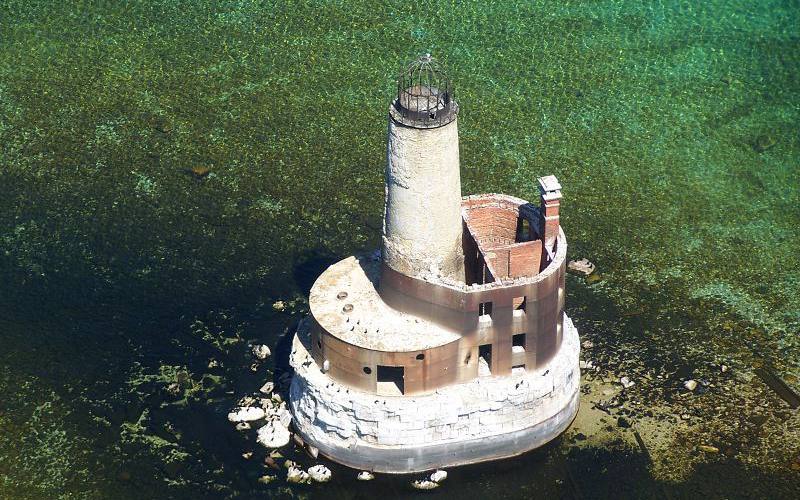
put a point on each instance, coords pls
(365, 476)
(277, 398)
(267, 388)
(326, 366)
(298, 440)
(439, 476)
(254, 367)
(273, 435)
(271, 463)
(319, 473)
(297, 476)
(246, 414)
(266, 479)
(723, 368)
(594, 278)
(213, 364)
(708, 448)
(626, 382)
(243, 426)
(582, 266)
(312, 451)
(284, 416)
(247, 455)
(424, 484)
(289, 464)
(690, 384)
(586, 365)
(686, 416)
(588, 344)
(279, 306)
(261, 352)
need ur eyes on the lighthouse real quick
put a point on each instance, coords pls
(450, 345)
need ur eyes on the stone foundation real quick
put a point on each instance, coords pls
(487, 418)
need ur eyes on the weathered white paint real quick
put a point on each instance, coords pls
(486, 418)
(422, 230)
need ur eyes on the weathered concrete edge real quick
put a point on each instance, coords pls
(412, 459)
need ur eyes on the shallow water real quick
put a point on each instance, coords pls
(169, 170)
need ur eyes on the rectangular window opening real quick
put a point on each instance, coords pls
(391, 380)
(485, 360)
(520, 304)
(485, 310)
(518, 343)
(523, 230)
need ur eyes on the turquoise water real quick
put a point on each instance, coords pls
(169, 170)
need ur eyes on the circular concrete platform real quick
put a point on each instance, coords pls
(485, 419)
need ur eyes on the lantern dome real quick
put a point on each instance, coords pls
(425, 96)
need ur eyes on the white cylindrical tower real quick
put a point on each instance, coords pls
(422, 226)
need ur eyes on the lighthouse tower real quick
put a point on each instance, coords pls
(449, 346)
(422, 233)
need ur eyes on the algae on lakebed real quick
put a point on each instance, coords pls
(671, 124)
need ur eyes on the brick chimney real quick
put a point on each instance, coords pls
(550, 191)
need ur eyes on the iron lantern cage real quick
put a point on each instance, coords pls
(425, 95)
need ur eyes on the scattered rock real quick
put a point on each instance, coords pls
(213, 364)
(626, 382)
(267, 388)
(298, 440)
(587, 344)
(284, 416)
(723, 368)
(246, 414)
(273, 435)
(582, 266)
(320, 473)
(271, 463)
(297, 476)
(243, 426)
(439, 476)
(266, 479)
(365, 476)
(279, 306)
(254, 367)
(708, 448)
(261, 352)
(247, 455)
(586, 365)
(763, 143)
(312, 451)
(686, 416)
(289, 464)
(690, 385)
(594, 278)
(424, 484)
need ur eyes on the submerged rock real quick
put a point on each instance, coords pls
(243, 426)
(439, 476)
(424, 484)
(273, 435)
(246, 414)
(582, 266)
(690, 384)
(266, 479)
(320, 473)
(365, 476)
(705, 448)
(267, 388)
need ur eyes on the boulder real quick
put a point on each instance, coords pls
(246, 414)
(297, 476)
(320, 473)
(261, 352)
(273, 435)
(424, 484)
(365, 476)
(439, 476)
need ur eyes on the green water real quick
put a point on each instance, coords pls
(672, 125)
